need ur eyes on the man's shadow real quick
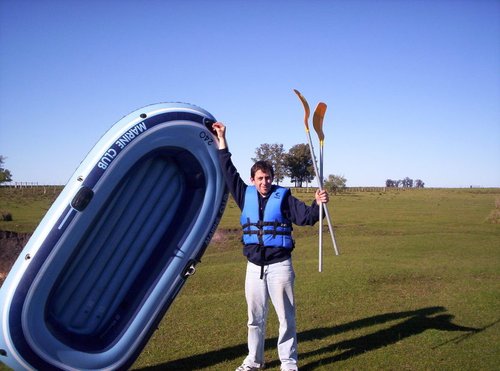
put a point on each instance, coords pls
(413, 323)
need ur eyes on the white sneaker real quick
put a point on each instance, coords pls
(245, 367)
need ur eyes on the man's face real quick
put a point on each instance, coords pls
(262, 181)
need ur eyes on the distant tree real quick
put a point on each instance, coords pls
(419, 183)
(389, 183)
(5, 175)
(274, 154)
(299, 164)
(335, 183)
(407, 182)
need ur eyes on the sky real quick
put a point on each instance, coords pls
(412, 87)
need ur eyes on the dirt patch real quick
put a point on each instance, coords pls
(11, 244)
(225, 239)
(222, 235)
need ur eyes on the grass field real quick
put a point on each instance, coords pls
(417, 287)
(27, 206)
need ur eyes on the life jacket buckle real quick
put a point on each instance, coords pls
(275, 227)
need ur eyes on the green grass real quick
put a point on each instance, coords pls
(26, 205)
(417, 287)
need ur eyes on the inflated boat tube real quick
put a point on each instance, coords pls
(117, 245)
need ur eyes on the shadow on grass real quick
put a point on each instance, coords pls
(413, 323)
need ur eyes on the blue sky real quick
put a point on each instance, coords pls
(412, 87)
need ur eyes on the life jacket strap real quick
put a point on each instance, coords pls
(274, 232)
(261, 224)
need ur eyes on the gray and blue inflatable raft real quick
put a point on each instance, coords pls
(117, 245)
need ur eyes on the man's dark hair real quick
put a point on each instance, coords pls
(263, 166)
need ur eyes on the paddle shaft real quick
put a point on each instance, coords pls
(320, 242)
(320, 186)
(319, 114)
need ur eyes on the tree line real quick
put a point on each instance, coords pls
(404, 183)
(297, 164)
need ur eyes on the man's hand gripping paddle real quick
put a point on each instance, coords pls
(318, 126)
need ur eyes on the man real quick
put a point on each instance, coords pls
(268, 212)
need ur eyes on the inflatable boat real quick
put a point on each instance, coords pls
(117, 245)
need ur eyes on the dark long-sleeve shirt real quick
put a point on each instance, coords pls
(292, 208)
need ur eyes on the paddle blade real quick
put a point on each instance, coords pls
(307, 111)
(318, 117)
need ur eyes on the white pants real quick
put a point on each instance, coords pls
(277, 285)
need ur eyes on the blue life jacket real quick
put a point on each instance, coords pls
(275, 230)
